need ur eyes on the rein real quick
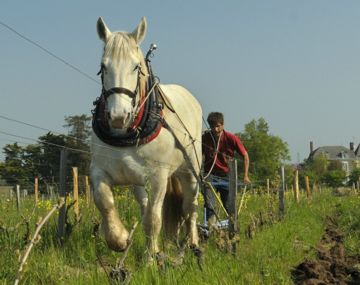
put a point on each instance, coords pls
(215, 157)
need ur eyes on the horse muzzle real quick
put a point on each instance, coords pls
(119, 122)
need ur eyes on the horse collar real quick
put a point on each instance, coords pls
(146, 125)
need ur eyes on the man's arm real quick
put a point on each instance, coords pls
(246, 168)
(239, 147)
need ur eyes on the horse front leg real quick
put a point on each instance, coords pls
(153, 215)
(141, 196)
(116, 235)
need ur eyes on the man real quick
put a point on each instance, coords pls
(218, 147)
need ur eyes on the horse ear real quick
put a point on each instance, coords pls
(140, 32)
(102, 30)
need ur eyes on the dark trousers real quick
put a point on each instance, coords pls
(221, 186)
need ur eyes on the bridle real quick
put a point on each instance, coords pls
(121, 90)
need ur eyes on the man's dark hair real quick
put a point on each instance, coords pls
(215, 118)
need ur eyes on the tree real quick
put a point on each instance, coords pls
(79, 127)
(33, 159)
(267, 152)
(50, 158)
(289, 175)
(334, 178)
(354, 176)
(23, 164)
(78, 140)
(13, 170)
(320, 165)
(315, 168)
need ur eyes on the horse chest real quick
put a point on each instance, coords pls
(133, 165)
(123, 167)
(128, 171)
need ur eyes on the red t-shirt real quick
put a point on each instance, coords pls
(229, 143)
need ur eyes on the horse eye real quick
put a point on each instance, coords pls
(137, 67)
(103, 67)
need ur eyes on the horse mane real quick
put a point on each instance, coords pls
(120, 45)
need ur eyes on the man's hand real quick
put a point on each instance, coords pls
(246, 180)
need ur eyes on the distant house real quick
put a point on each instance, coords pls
(349, 158)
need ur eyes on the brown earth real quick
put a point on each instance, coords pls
(331, 266)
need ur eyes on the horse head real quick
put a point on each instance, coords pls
(124, 74)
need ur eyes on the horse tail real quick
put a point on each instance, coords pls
(172, 210)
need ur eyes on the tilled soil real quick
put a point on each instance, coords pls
(332, 266)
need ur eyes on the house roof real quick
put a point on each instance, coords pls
(334, 153)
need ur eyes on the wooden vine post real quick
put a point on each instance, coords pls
(296, 185)
(282, 192)
(76, 193)
(36, 190)
(87, 189)
(307, 185)
(18, 197)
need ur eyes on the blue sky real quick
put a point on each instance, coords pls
(294, 63)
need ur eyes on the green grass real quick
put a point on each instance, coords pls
(348, 214)
(267, 258)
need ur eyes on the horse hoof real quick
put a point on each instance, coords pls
(116, 239)
(118, 246)
(199, 254)
(197, 251)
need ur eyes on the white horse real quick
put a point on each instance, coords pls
(169, 158)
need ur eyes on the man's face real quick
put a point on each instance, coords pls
(217, 129)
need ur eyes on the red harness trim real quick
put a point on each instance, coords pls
(139, 115)
(155, 134)
(137, 121)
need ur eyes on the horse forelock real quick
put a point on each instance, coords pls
(117, 46)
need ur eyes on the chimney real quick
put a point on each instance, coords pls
(311, 146)
(351, 146)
